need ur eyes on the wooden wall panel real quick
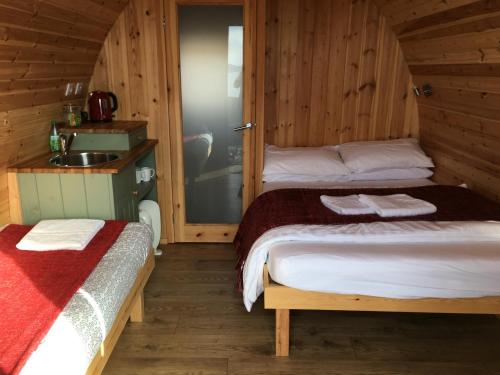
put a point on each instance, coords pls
(404, 12)
(43, 45)
(454, 47)
(132, 65)
(334, 73)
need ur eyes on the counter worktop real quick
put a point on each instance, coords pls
(40, 164)
(113, 127)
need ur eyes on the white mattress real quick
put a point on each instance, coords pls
(74, 339)
(268, 186)
(405, 259)
(389, 270)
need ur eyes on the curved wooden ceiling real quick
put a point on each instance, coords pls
(445, 32)
(46, 43)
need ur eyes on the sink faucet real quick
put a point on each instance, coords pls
(66, 142)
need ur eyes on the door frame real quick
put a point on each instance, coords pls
(184, 232)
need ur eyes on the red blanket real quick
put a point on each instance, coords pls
(303, 206)
(35, 287)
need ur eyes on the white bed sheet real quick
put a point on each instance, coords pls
(76, 336)
(402, 270)
(477, 236)
(268, 186)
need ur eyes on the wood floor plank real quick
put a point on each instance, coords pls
(282, 366)
(169, 366)
(195, 323)
(475, 349)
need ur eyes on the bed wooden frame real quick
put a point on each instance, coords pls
(283, 299)
(133, 308)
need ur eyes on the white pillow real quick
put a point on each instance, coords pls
(309, 161)
(393, 174)
(305, 178)
(362, 157)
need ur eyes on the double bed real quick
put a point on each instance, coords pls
(420, 264)
(82, 337)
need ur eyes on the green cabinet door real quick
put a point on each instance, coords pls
(125, 195)
(64, 196)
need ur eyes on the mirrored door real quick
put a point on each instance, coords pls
(212, 116)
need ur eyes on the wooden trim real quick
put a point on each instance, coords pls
(260, 95)
(16, 211)
(175, 116)
(164, 152)
(130, 309)
(280, 297)
(249, 68)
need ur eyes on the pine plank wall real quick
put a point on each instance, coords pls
(334, 73)
(132, 65)
(453, 45)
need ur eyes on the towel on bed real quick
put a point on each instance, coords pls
(72, 234)
(347, 205)
(397, 205)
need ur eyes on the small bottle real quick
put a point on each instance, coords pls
(73, 115)
(54, 137)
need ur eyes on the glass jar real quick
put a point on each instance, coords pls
(72, 115)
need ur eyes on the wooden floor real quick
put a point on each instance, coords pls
(196, 324)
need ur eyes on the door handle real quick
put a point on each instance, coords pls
(248, 125)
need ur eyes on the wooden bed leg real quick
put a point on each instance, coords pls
(282, 332)
(137, 312)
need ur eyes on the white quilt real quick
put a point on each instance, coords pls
(407, 232)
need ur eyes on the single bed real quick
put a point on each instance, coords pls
(410, 266)
(82, 337)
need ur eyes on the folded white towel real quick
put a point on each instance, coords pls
(72, 234)
(346, 205)
(397, 205)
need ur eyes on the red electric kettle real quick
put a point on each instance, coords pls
(102, 105)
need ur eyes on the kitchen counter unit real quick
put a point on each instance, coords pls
(40, 164)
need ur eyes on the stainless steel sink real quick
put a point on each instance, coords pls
(83, 159)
